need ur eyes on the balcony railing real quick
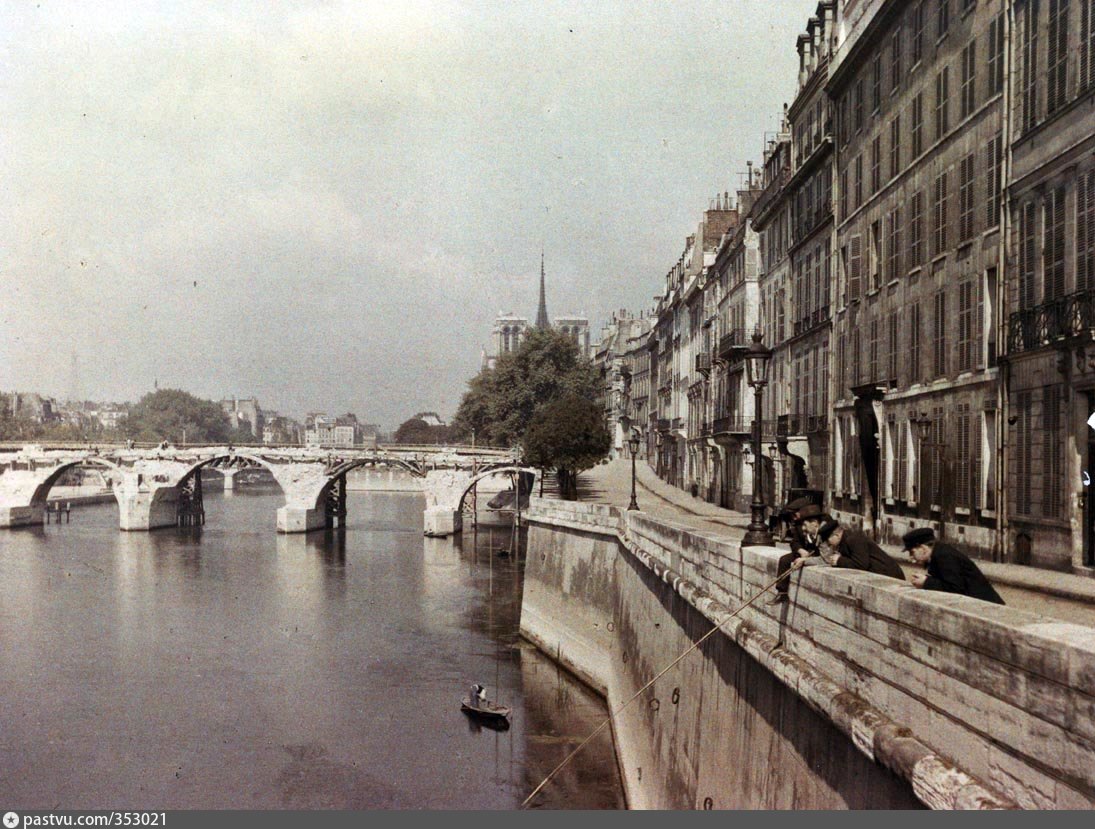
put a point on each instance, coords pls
(703, 364)
(743, 426)
(663, 424)
(733, 344)
(1069, 316)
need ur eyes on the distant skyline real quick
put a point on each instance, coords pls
(325, 205)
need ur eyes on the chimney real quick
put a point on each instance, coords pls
(812, 29)
(802, 71)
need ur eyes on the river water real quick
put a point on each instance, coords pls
(232, 667)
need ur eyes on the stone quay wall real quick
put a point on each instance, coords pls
(861, 692)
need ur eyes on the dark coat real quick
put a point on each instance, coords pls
(954, 572)
(858, 552)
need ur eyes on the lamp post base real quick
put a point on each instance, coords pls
(634, 504)
(757, 538)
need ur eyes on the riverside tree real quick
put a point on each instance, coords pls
(500, 403)
(171, 414)
(567, 434)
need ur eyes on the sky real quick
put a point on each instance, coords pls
(324, 205)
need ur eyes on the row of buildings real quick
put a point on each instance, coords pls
(917, 249)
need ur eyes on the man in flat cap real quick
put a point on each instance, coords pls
(949, 569)
(853, 549)
(804, 546)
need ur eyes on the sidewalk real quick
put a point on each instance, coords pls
(1041, 591)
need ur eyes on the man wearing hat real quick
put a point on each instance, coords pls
(804, 545)
(949, 569)
(853, 549)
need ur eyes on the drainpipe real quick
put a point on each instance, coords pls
(1003, 428)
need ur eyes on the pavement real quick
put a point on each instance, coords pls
(1060, 595)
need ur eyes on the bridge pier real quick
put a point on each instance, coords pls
(295, 519)
(439, 522)
(147, 509)
(229, 479)
(26, 516)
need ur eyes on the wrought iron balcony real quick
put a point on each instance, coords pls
(733, 344)
(663, 424)
(703, 364)
(1058, 319)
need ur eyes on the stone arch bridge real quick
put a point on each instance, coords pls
(161, 487)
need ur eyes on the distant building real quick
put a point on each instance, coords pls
(279, 430)
(342, 432)
(31, 406)
(623, 361)
(244, 414)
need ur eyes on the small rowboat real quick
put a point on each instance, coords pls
(485, 710)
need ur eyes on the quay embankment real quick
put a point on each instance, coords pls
(861, 692)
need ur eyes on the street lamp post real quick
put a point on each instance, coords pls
(633, 445)
(756, 368)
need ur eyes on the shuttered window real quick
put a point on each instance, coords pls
(939, 214)
(1057, 55)
(942, 96)
(1052, 452)
(1023, 453)
(872, 353)
(1054, 244)
(857, 358)
(939, 344)
(976, 428)
(1027, 256)
(1029, 58)
(935, 453)
(966, 326)
(996, 55)
(892, 351)
(962, 459)
(876, 164)
(843, 195)
(855, 266)
(857, 103)
(857, 185)
(969, 79)
(902, 460)
(876, 82)
(893, 264)
(916, 230)
(895, 146)
(994, 157)
(917, 125)
(918, 32)
(1087, 44)
(1085, 231)
(914, 343)
(895, 59)
(965, 199)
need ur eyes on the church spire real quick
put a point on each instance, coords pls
(541, 312)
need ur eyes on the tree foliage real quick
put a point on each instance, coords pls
(415, 430)
(500, 403)
(567, 435)
(173, 414)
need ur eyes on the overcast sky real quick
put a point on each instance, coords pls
(325, 204)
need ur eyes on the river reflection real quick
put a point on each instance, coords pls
(228, 666)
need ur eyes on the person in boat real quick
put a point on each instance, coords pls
(478, 696)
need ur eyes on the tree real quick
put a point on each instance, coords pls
(501, 402)
(171, 414)
(567, 435)
(415, 430)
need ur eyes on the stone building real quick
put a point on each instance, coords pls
(623, 361)
(917, 91)
(244, 413)
(1049, 302)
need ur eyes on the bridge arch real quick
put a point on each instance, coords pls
(41, 492)
(498, 469)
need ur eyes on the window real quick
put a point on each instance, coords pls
(969, 77)
(1053, 250)
(858, 104)
(943, 18)
(876, 164)
(902, 460)
(895, 59)
(1030, 64)
(893, 268)
(914, 343)
(858, 186)
(939, 344)
(1085, 231)
(967, 5)
(935, 456)
(966, 326)
(1053, 451)
(857, 357)
(843, 195)
(939, 226)
(872, 353)
(994, 157)
(965, 199)
(895, 146)
(876, 83)
(996, 55)
(1087, 44)
(1026, 255)
(942, 93)
(917, 125)
(1024, 470)
(891, 350)
(916, 230)
(855, 260)
(986, 318)
(962, 488)
(875, 264)
(1057, 64)
(918, 33)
